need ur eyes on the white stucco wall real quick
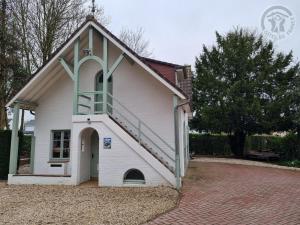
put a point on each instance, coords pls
(132, 86)
(54, 112)
(114, 162)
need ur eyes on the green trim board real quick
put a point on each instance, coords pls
(76, 74)
(32, 154)
(67, 67)
(91, 40)
(176, 129)
(105, 71)
(115, 65)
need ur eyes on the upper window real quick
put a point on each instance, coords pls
(61, 144)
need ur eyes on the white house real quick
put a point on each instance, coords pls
(103, 112)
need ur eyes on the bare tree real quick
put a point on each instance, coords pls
(134, 39)
(12, 73)
(30, 31)
(44, 25)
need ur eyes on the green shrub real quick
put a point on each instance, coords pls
(287, 147)
(5, 136)
(216, 145)
(5, 139)
(293, 163)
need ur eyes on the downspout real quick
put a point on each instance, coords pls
(176, 127)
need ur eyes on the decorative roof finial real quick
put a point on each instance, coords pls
(93, 7)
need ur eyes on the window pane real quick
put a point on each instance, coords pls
(66, 144)
(61, 144)
(56, 135)
(56, 149)
(67, 135)
(66, 153)
(56, 144)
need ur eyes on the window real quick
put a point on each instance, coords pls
(61, 144)
(134, 176)
(98, 106)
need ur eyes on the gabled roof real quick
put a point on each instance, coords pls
(146, 63)
(168, 70)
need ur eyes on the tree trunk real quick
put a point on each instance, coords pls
(3, 117)
(237, 143)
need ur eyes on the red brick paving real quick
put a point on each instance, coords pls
(227, 194)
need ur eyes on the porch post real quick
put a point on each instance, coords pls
(105, 71)
(14, 147)
(176, 127)
(32, 152)
(76, 75)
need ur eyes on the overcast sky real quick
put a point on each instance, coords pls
(177, 29)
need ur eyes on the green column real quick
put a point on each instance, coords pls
(105, 73)
(14, 141)
(176, 131)
(32, 152)
(76, 77)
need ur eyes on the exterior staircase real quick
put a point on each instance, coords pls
(144, 144)
(133, 125)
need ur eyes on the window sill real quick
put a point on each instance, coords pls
(58, 161)
(134, 182)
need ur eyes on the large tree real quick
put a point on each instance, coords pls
(12, 73)
(43, 25)
(243, 86)
(29, 32)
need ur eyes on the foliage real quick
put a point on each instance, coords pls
(29, 32)
(243, 87)
(293, 163)
(4, 153)
(5, 139)
(12, 73)
(214, 145)
(218, 145)
(44, 25)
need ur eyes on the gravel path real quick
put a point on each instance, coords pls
(243, 162)
(86, 204)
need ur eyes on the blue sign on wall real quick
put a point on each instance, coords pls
(107, 143)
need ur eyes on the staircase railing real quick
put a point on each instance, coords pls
(92, 103)
(145, 135)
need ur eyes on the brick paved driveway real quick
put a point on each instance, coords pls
(218, 193)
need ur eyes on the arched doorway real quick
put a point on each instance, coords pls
(89, 155)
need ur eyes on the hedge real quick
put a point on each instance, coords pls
(287, 147)
(216, 145)
(24, 150)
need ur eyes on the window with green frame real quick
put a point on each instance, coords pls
(60, 144)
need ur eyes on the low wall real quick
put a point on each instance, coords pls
(39, 180)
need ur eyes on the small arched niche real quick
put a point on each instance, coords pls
(134, 176)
